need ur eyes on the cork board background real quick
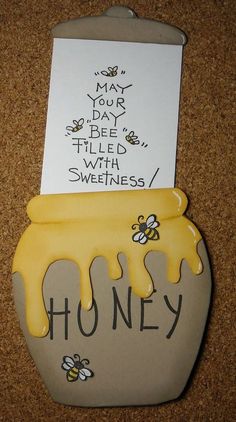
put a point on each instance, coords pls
(205, 171)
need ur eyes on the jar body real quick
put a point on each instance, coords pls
(140, 351)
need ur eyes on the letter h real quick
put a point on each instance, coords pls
(51, 313)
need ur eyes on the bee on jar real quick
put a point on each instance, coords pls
(146, 229)
(75, 369)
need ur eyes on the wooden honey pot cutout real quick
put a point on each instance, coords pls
(112, 288)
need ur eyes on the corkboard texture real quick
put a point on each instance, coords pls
(205, 171)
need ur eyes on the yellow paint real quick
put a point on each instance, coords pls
(80, 227)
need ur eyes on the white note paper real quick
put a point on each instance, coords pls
(112, 116)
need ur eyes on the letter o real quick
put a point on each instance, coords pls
(94, 306)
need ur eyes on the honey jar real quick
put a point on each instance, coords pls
(112, 288)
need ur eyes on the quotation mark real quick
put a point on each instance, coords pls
(96, 73)
(122, 72)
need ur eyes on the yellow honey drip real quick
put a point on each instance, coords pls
(80, 227)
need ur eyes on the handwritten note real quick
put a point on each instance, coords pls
(112, 116)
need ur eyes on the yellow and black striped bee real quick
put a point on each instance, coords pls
(76, 368)
(112, 71)
(78, 125)
(147, 229)
(132, 138)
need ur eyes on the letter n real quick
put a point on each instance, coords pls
(117, 305)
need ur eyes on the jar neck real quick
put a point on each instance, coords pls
(113, 205)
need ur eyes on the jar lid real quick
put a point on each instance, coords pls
(120, 24)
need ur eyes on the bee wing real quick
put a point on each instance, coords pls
(143, 239)
(68, 363)
(75, 122)
(69, 128)
(65, 366)
(115, 68)
(151, 221)
(136, 236)
(86, 372)
(136, 142)
(82, 376)
(105, 73)
(81, 121)
(139, 237)
(154, 224)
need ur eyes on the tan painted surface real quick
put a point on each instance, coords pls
(131, 367)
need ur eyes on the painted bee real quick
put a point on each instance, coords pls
(132, 138)
(112, 71)
(147, 229)
(75, 368)
(78, 125)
